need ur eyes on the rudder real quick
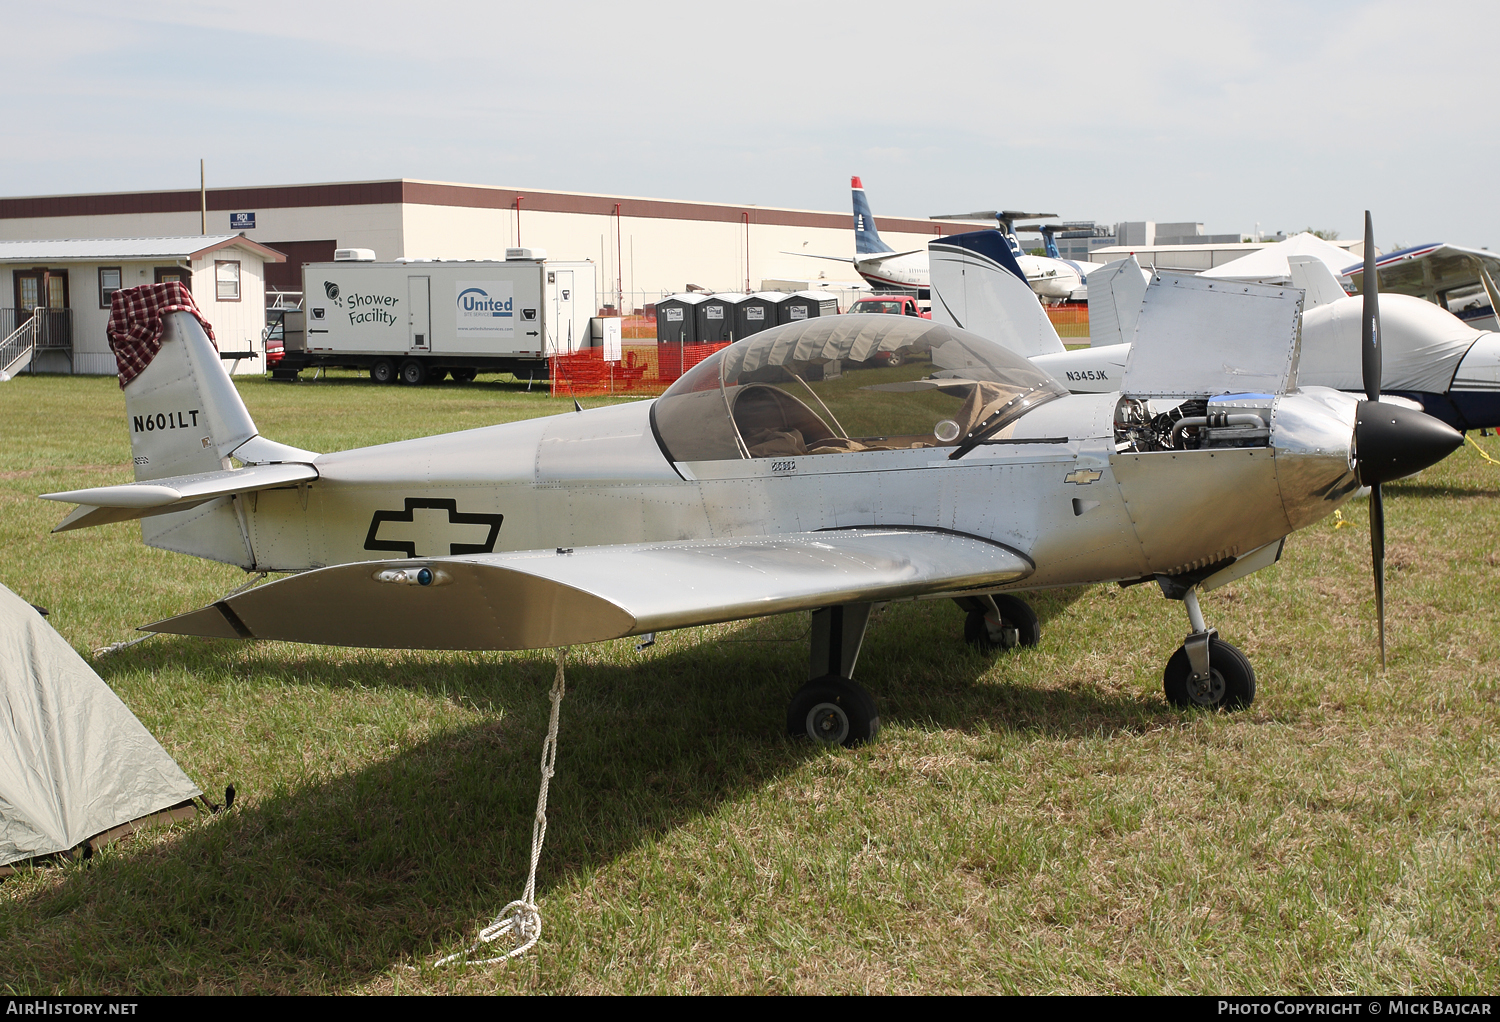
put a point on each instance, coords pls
(181, 408)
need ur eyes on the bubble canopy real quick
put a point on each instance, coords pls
(851, 383)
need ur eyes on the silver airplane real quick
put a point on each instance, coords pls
(791, 471)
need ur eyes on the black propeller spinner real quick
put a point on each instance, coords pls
(1390, 441)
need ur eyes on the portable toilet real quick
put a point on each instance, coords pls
(756, 312)
(676, 321)
(716, 318)
(806, 305)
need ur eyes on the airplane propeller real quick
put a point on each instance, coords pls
(1390, 441)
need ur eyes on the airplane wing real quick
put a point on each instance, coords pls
(1436, 270)
(102, 505)
(542, 598)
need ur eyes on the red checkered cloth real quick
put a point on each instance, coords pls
(135, 317)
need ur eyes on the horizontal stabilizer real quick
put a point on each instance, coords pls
(542, 599)
(105, 504)
(812, 255)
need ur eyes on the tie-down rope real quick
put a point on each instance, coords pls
(1482, 453)
(521, 919)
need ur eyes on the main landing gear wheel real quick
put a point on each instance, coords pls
(1230, 684)
(1018, 625)
(834, 711)
(383, 370)
(413, 373)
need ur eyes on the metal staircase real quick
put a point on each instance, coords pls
(17, 349)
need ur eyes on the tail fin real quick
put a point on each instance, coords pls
(185, 417)
(866, 237)
(978, 285)
(1315, 277)
(183, 412)
(1116, 291)
(1049, 242)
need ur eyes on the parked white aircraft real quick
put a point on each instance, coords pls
(885, 269)
(881, 266)
(1054, 279)
(763, 482)
(1446, 367)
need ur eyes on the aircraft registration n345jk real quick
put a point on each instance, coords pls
(792, 471)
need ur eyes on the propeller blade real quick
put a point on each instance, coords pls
(1369, 336)
(1377, 560)
(1391, 442)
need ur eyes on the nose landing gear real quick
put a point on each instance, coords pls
(1206, 671)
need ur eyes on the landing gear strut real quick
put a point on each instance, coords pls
(831, 708)
(1206, 671)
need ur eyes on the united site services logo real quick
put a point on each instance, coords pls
(477, 301)
(485, 308)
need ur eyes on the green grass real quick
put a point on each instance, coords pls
(1037, 822)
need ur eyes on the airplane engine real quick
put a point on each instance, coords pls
(1312, 433)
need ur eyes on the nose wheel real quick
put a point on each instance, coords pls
(1206, 671)
(1229, 682)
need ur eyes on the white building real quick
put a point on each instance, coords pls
(73, 281)
(644, 248)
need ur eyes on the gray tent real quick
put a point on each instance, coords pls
(75, 764)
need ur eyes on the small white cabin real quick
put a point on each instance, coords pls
(73, 280)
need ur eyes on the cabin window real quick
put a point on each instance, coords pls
(109, 283)
(847, 384)
(227, 280)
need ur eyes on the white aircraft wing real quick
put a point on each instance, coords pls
(543, 598)
(102, 505)
(1434, 271)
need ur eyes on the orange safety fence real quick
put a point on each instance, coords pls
(1069, 320)
(638, 328)
(643, 369)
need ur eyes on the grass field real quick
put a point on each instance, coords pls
(1037, 822)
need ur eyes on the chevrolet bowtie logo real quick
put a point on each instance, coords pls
(434, 532)
(1083, 476)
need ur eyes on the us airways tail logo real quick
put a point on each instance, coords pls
(475, 301)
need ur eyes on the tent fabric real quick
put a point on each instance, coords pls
(1269, 265)
(74, 761)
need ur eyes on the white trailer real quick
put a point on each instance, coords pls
(421, 320)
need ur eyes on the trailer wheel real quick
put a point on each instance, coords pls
(383, 370)
(413, 373)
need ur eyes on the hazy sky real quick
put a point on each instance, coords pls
(1287, 114)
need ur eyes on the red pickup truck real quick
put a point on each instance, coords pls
(891, 305)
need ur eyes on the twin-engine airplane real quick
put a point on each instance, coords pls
(772, 477)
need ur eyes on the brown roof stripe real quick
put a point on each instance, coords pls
(363, 193)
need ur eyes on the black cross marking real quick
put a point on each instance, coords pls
(409, 548)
